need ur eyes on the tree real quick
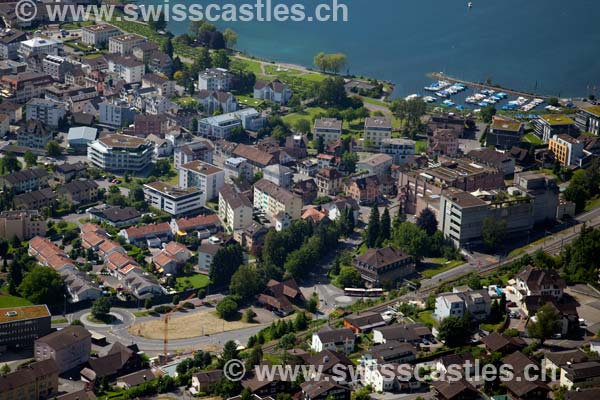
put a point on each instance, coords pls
(372, 232)
(30, 159)
(330, 62)
(230, 352)
(349, 277)
(455, 331)
(101, 307)
(167, 47)
(9, 163)
(42, 285)
(227, 308)
(411, 239)
(158, 24)
(220, 59)
(349, 160)
(245, 282)
(385, 228)
(427, 221)
(5, 369)
(255, 357)
(230, 37)
(53, 149)
(545, 323)
(493, 232)
(302, 125)
(225, 262)
(487, 113)
(287, 341)
(148, 304)
(320, 144)
(332, 92)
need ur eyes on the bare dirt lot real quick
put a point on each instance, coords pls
(188, 326)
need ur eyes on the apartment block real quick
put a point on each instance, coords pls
(98, 35)
(124, 44)
(174, 200)
(22, 224)
(272, 199)
(377, 129)
(207, 177)
(235, 209)
(330, 129)
(120, 153)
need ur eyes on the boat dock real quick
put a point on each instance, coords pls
(480, 86)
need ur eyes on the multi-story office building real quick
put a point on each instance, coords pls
(569, 151)
(120, 153)
(588, 120)
(377, 129)
(546, 126)
(174, 200)
(56, 67)
(39, 46)
(20, 327)
(208, 178)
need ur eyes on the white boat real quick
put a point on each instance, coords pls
(470, 4)
(439, 85)
(429, 99)
(412, 97)
(448, 103)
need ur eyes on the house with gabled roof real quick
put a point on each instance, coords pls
(275, 91)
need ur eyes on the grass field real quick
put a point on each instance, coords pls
(440, 265)
(196, 281)
(13, 301)
(426, 317)
(532, 138)
(307, 114)
(249, 101)
(248, 65)
(187, 326)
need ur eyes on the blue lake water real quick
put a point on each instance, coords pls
(548, 46)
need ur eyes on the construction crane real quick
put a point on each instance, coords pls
(166, 318)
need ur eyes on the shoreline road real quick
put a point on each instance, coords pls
(120, 332)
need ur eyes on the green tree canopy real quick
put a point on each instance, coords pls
(42, 285)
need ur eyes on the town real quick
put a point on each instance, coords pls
(170, 205)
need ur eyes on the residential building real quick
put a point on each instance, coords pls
(543, 189)
(455, 390)
(46, 111)
(411, 333)
(21, 326)
(13, 110)
(205, 381)
(198, 150)
(117, 113)
(503, 344)
(569, 151)
(206, 253)
(538, 282)
(237, 169)
(56, 67)
(214, 100)
(128, 68)
(341, 340)
(10, 41)
(204, 224)
(493, 158)
(25, 180)
(69, 347)
(164, 86)
(34, 200)
(323, 390)
(174, 200)
(39, 46)
(116, 216)
(476, 303)
(393, 352)
(557, 359)
(330, 129)
(376, 130)
(548, 125)
(145, 125)
(221, 126)
(399, 149)
(581, 375)
(384, 266)
(119, 361)
(79, 191)
(34, 135)
(329, 181)
(251, 238)
(98, 35)
(79, 285)
(365, 190)
(124, 44)
(271, 199)
(504, 133)
(279, 175)
(307, 189)
(274, 91)
(255, 158)
(24, 86)
(588, 120)
(120, 153)
(38, 380)
(364, 322)
(207, 177)
(215, 79)
(376, 164)
(171, 259)
(22, 224)
(135, 379)
(4, 125)
(235, 209)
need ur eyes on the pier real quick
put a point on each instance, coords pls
(480, 86)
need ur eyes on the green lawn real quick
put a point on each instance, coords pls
(248, 65)
(593, 203)
(13, 301)
(426, 317)
(440, 265)
(249, 101)
(197, 281)
(376, 102)
(307, 114)
(532, 138)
